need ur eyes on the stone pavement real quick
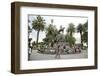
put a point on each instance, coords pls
(38, 56)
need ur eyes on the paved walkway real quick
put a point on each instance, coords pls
(38, 56)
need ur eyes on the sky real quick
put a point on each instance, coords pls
(58, 21)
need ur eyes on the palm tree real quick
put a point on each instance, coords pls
(80, 30)
(85, 32)
(38, 24)
(71, 29)
(85, 27)
(70, 39)
(51, 33)
(69, 36)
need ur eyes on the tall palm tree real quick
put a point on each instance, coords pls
(80, 30)
(38, 24)
(71, 29)
(69, 36)
(85, 32)
(51, 33)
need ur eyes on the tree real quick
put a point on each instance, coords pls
(85, 27)
(38, 24)
(29, 32)
(85, 37)
(71, 29)
(29, 29)
(85, 32)
(29, 39)
(70, 39)
(51, 33)
(80, 30)
(69, 36)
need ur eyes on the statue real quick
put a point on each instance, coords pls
(60, 43)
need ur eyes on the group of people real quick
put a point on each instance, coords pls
(62, 49)
(61, 44)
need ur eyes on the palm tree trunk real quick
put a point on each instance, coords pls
(71, 34)
(37, 37)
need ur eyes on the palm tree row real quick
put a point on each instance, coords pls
(51, 31)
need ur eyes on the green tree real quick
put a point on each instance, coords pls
(85, 27)
(70, 39)
(38, 24)
(85, 32)
(71, 29)
(69, 36)
(80, 30)
(51, 33)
